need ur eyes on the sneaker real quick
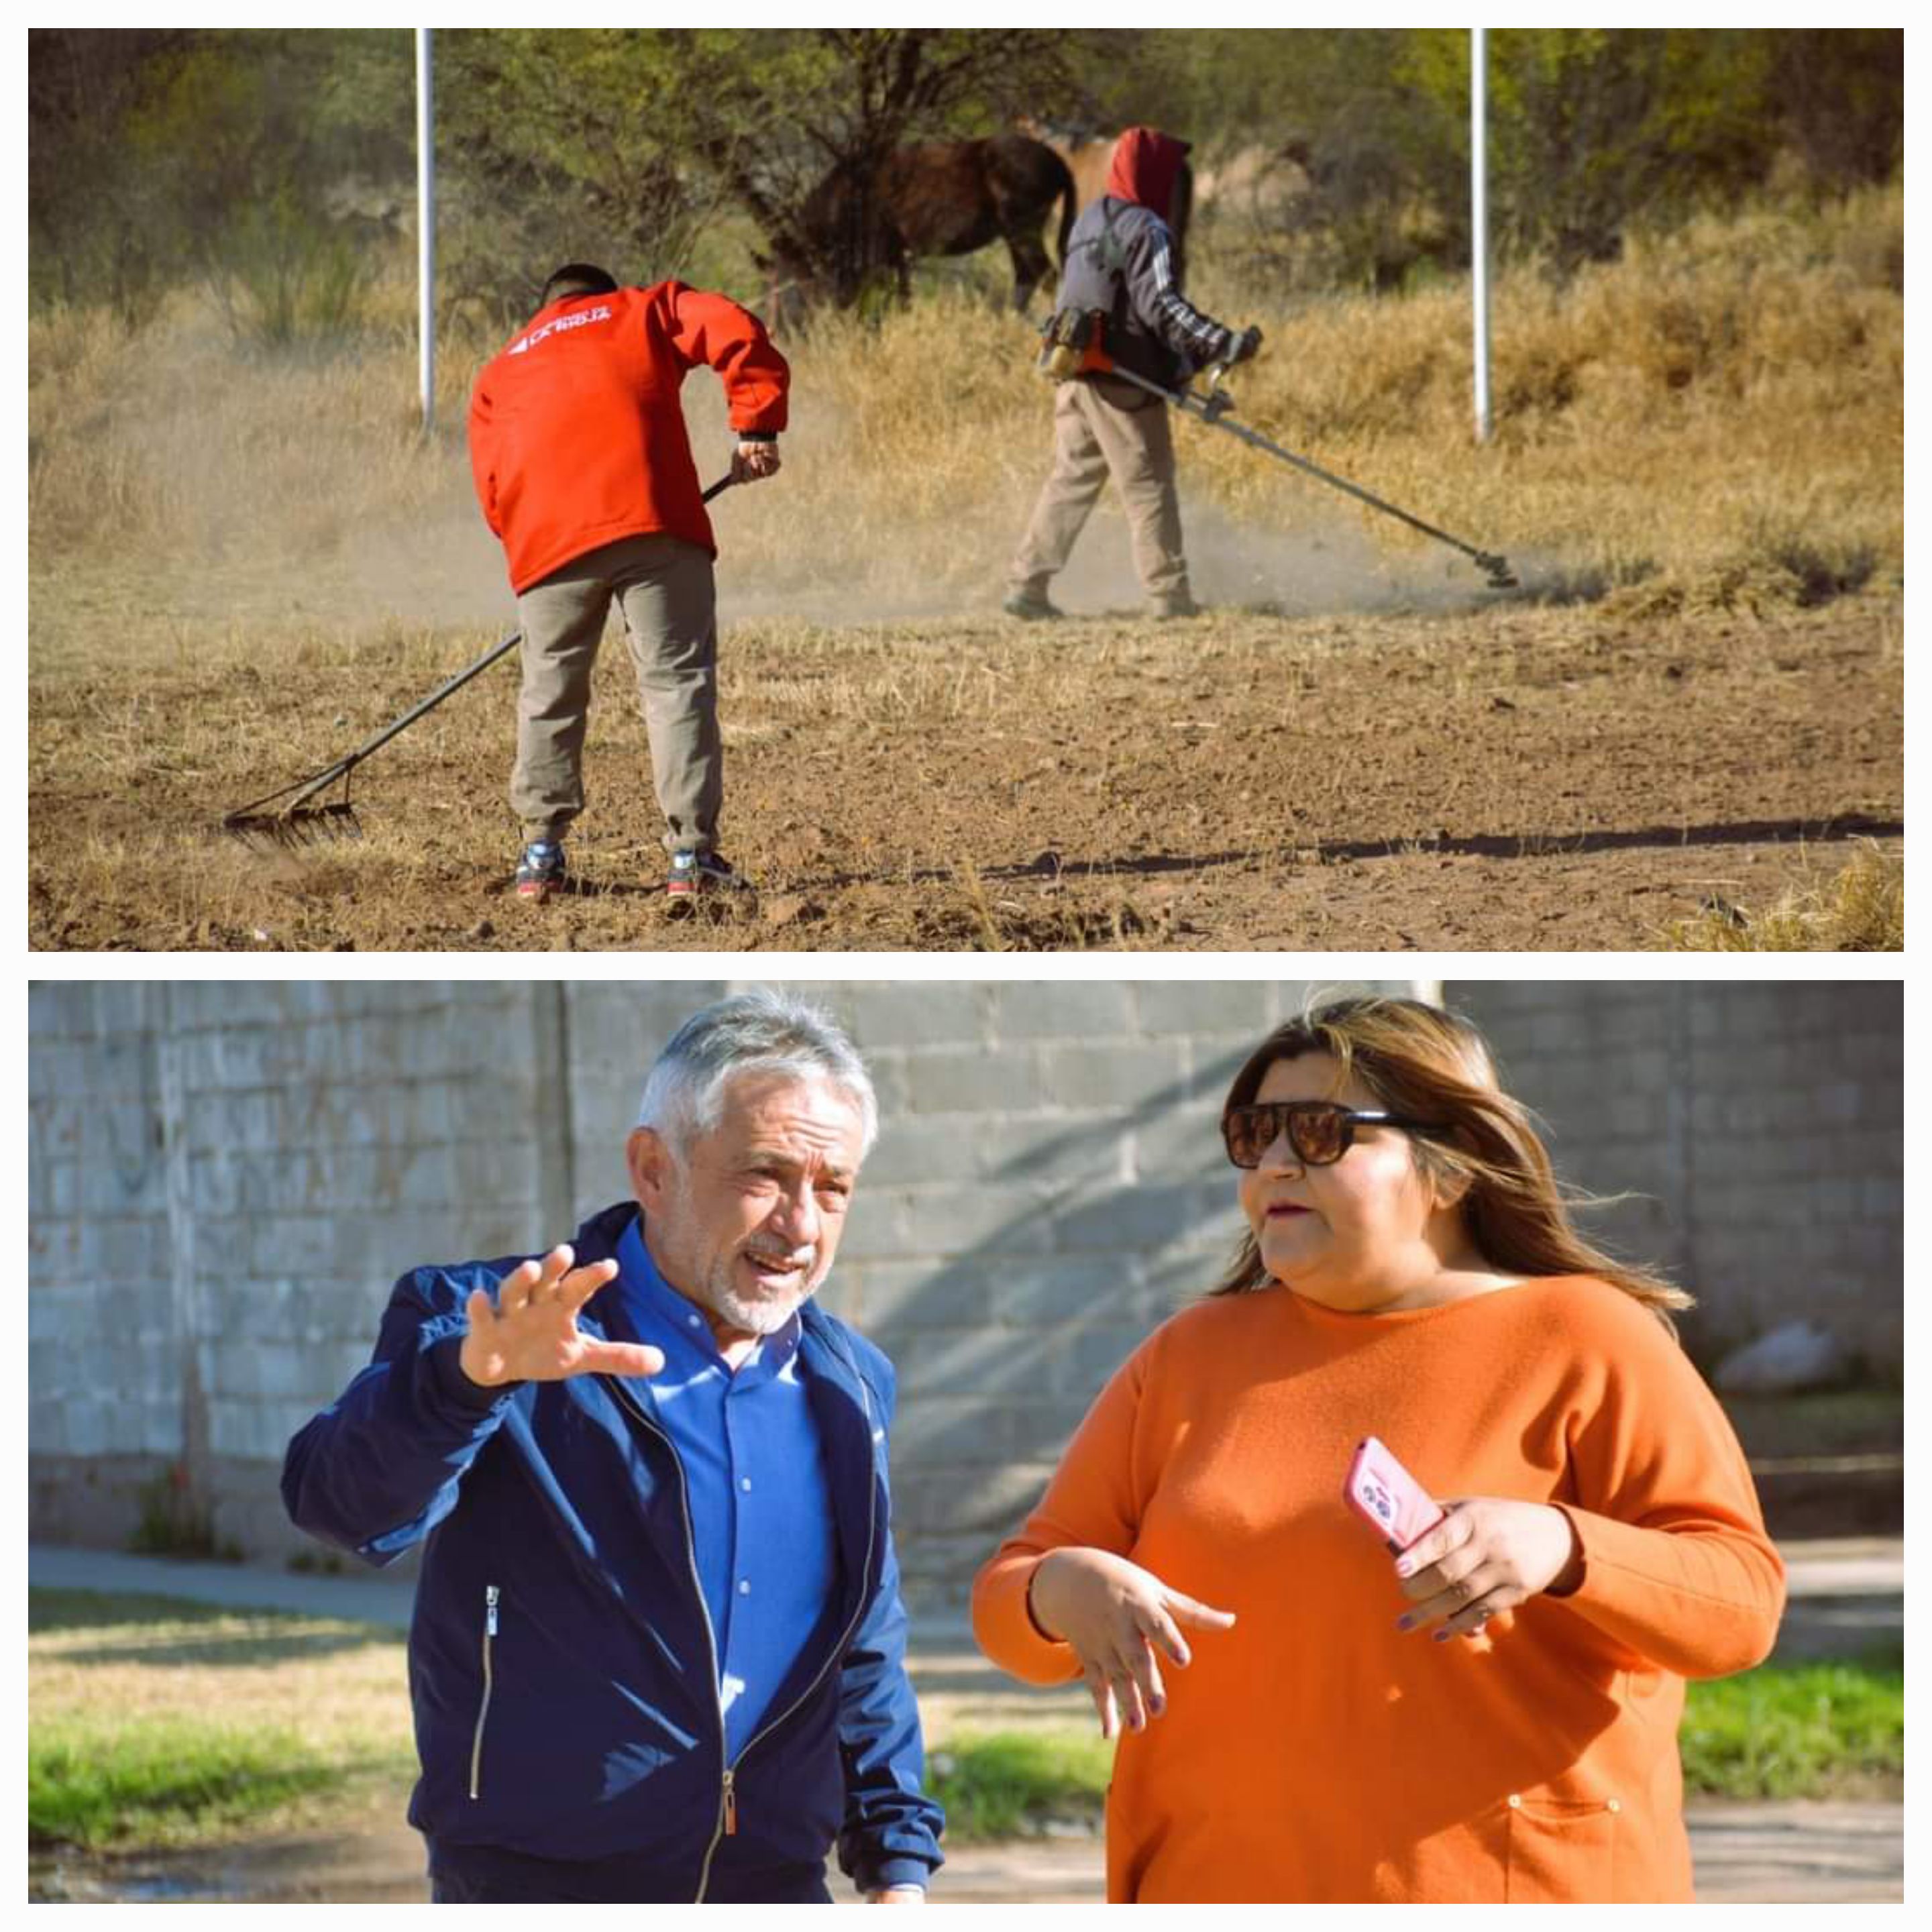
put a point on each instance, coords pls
(1031, 606)
(540, 870)
(692, 873)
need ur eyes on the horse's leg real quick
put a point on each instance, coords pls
(1031, 266)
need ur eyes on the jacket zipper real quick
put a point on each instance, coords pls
(858, 1615)
(727, 1803)
(490, 1595)
(727, 1826)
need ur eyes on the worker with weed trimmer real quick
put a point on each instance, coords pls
(584, 471)
(1120, 269)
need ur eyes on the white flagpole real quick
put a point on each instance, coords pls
(426, 226)
(1479, 218)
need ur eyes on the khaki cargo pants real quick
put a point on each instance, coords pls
(1100, 427)
(664, 586)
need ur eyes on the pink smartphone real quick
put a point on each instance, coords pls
(1387, 1498)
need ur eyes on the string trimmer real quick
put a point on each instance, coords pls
(1063, 357)
(301, 821)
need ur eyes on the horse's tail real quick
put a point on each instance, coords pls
(1069, 200)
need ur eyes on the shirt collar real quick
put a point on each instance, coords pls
(659, 1310)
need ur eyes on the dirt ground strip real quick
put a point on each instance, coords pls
(1522, 777)
(1793, 1854)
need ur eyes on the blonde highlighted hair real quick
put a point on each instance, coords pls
(1433, 1065)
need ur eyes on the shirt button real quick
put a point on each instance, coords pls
(744, 1586)
(1516, 1800)
(1613, 1804)
(690, 1322)
(744, 1482)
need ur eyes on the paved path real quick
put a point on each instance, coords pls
(1845, 1595)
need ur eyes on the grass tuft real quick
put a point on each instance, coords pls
(1006, 1784)
(1814, 1730)
(1862, 910)
(99, 1785)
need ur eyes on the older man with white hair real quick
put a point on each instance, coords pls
(658, 1652)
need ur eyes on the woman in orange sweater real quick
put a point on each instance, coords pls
(1492, 1714)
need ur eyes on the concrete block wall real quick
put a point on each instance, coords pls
(1758, 1126)
(225, 1178)
(1048, 1185)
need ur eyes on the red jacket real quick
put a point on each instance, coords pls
(577, 437)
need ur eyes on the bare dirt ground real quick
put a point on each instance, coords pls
(1517, 776)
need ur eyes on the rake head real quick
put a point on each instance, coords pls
(300, 825)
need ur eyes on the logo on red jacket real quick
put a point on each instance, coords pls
(600, 313)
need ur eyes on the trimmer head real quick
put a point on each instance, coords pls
(302, 825)
(1502, 577)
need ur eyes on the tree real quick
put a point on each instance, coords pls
(783, 117)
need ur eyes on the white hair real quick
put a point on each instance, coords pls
(760, 1031)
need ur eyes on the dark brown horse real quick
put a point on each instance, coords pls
(940, 198)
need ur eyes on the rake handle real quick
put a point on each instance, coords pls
(344, 766)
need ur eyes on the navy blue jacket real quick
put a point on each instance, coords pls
(561, 1660)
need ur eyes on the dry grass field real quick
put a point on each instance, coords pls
(1685, 729)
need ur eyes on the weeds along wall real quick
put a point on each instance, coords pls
(225, 1179)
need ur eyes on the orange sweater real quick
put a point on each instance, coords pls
(1314, 1753)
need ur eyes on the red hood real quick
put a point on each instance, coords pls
(1146, 164)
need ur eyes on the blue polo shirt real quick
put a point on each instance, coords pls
(755, 1470)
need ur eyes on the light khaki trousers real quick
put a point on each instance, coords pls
(1101, 426)
(664, 588)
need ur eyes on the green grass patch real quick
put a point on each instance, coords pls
(1006, 1784)
(105, 1610)
(156, 1780)
(1810, 1730)
(1800, 1730)
(153, 1720)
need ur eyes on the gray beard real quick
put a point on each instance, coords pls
(752, 1318)
(719, 1291)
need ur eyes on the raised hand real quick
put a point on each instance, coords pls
(529, 1333)
(1116, 1615)
(1487, 1554)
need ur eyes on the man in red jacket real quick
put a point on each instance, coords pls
(585, 473)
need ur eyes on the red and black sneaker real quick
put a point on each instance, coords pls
(695, 874)
(540, 870)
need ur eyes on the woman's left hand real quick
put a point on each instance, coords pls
(1487, 1554)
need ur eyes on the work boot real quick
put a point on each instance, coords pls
(1030, 606)
(1180, 605)
(696, 874)
(540, 870)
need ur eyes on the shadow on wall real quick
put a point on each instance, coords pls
(1001, 1348)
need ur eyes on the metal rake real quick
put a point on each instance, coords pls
(302, 822)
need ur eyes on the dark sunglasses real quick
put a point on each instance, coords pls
(1321, 1131)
